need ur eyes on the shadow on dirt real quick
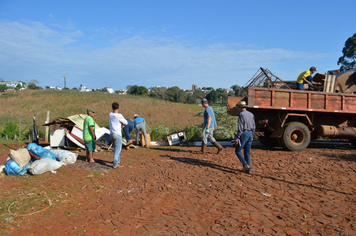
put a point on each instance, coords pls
(313, 144)
(198, 162)
(178, 149)
(99, 165)
(344, 157)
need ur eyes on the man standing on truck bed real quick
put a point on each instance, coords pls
(244, 136)
(306, 78)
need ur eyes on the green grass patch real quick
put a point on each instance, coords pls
(192, 107)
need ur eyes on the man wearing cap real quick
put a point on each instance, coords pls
(208, 129)
(243, 138)
(89, 134)
(116, 122)
(140, 125)
(306, 78)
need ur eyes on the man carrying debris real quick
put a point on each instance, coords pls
(140, 125)
(244, 136)
(306, 78)
(127, 130)
(208, 129)
(116, 122)
(89, 135)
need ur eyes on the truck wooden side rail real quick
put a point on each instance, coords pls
(291, 118)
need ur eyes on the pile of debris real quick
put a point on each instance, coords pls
(36, 160)
(68, 133)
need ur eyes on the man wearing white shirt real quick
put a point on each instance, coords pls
(116, 122)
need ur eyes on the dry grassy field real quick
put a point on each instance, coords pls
(26, 104)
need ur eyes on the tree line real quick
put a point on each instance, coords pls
(175, 94)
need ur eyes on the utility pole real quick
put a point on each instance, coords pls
(65, 85)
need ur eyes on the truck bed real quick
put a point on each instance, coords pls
(297, 100)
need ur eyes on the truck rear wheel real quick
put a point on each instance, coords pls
(296, 137)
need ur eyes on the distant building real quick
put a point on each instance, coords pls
(194, 87)
(82, 88)
(11, 85)
(122, 91)
(108, 89)
(58, 88)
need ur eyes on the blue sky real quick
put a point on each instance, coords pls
(169, 43)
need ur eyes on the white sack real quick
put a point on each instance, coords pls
(65, 156)
(44, 165)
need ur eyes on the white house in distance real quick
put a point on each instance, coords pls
(82, 88)
(108, 89)
(11, 85)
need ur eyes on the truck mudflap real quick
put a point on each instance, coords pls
(277, 133)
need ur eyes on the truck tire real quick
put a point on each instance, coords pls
(296, 136)
(353, 142)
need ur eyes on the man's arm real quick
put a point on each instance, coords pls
(209, 122)
(92, 132)
(306, 81)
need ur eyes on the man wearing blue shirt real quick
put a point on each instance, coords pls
(140, 125)
(208, 129)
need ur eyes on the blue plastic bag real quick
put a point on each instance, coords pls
(12, 168)
(40, 151)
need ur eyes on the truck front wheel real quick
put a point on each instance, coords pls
(296, 136)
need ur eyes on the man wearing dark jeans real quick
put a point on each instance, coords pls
(244, 136)
(127, 131)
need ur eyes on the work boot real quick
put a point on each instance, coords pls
(218, 146)
(246, 169)
(129, 143)
(203, 146)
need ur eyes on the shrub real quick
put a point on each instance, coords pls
(10, 130)
(159, 133)
(193, 133)
(227, 125)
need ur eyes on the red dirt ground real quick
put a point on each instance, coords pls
(177, 191)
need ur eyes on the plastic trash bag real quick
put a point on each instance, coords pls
(65, 156)
(20, 156)
(40, 151)
(44, 165)
(12, 168)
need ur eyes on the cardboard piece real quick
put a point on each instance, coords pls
(142, 139)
